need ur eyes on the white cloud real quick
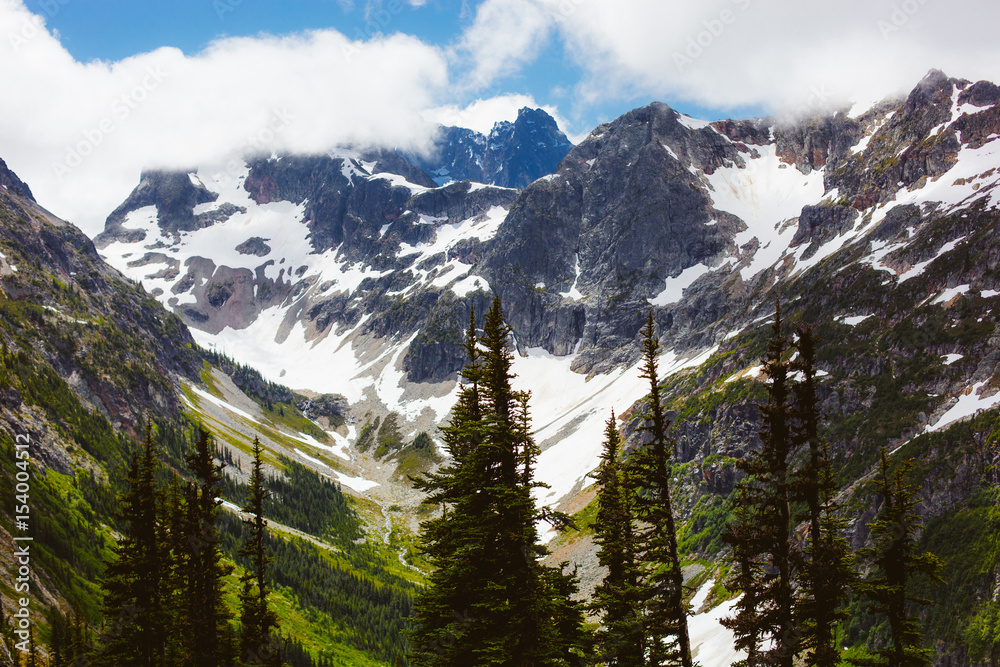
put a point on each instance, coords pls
(723, 54)
(167, 109)
(79, 134)
(505, 35)
(481, 115)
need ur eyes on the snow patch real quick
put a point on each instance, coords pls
(711, 642)
(222, 404)
(569, 411)
(359, 484)
(310, 458)
(853, 320)
(692, 123)
(918, 269)
(674, 289)
(765, 195)
(573, 292)
(968, 405)
(949, 294)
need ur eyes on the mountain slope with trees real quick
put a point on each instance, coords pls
(91, 368)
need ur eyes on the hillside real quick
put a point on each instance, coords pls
(877, 226)
(88, 359)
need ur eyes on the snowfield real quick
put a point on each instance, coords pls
(569, 410)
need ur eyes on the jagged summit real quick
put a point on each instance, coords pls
(359, 264)
(353, 273)
(513, 155)
(9, 181)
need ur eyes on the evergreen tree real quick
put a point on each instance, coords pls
(894, 563)
(135, 622)
(829, 565)
(661, 580)
(60, 636)
(573, 643)
(489, 600)
(761, 539)
(32, 658)
(620, 641)
(443, 610)
(68, 640)
(982, 635)
(206, 617)
(747, 571)
(259, 642)
(175, 547)
(82, 646)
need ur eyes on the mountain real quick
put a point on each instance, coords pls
(352, 273)
(512, 156)
(88, 359)
(69, 312)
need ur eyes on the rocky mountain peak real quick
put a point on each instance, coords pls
(175, 194)
(10, 182)
(514, 154)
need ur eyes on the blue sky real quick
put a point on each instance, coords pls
(98, 90)
(112, 30)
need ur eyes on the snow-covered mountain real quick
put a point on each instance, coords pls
(513, 154)
(353, 272)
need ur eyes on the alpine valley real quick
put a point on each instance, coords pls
(320, 302)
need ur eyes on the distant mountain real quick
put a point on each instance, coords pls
(364, 260)
(512, 156)
(354, 273)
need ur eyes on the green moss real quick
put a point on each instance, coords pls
(701, 535)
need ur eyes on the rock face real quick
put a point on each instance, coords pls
(370, 209)
(625, 211)
(653, 209)
(174, 194)
(75, 320)
(10, 182)
(512, 156)
(917, 140)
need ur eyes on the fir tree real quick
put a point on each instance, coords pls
(135, 631)
(175, 547)
(60, 636)
(32, 658)
(661, 580)
(894, 562)
(747, 571)
(489, 600)
(982, 634)
(443, 610)
(620, 640)
(761, 539)
(259, 641)
(206, 617)
(829, 565)
(69, 644)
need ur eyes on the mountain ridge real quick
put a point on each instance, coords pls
(877, 228)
